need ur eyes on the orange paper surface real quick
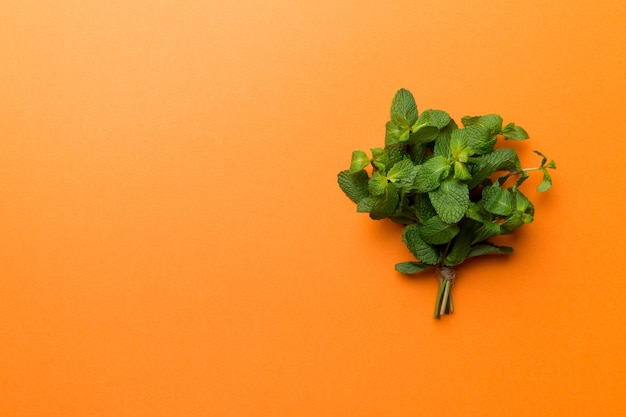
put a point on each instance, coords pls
(173, 241)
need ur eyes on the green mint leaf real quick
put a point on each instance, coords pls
(450, 200)
(460, 246)
(402, 171)
(498, 201)
(436, 232)
(424, 209)
(459, 149)
(377, 184)
(502, 159)
(412, 267)
(480, 139)
(476, 212)
(487, 230)
(396, 133)
(513, 222)
(492, 122)
(423, 134)
(544, 161)
(396, 153)
(523, 204)
(546, 182)
(522, 176)
(488, 249)
(365, 204)
(418, 152)
(404, 213)
(402, 216)
(403, 108)
(511, 131)
(359, 161)
(498, 160)
(354, 184)
(386, 204)
(430, 174)
(436, 118)
(381, 159)
(421, 250)
(442, 144)
(461, 172)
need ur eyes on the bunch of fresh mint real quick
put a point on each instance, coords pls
(448, 185)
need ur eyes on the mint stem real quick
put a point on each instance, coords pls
(444, 304)
(439, 294)
(525, 170)
(446, 296)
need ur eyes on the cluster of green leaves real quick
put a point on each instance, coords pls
(446, 183)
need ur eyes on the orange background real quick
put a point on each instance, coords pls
(173, 241)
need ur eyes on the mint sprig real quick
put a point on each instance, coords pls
(447, 184)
